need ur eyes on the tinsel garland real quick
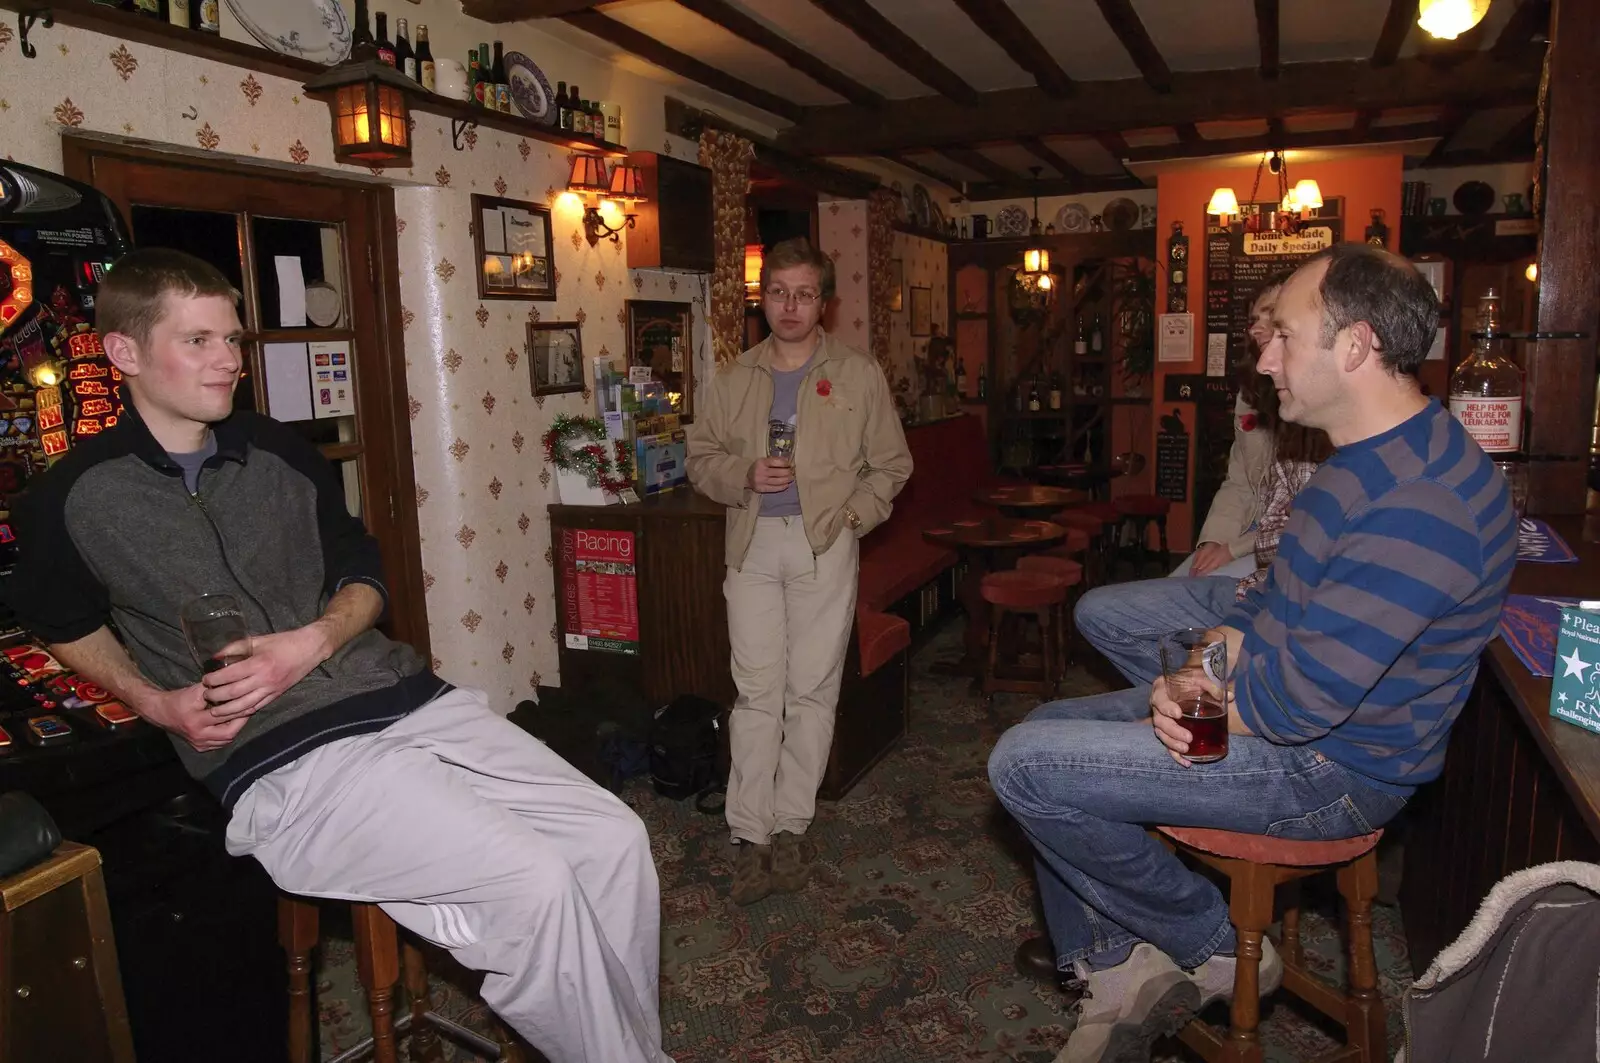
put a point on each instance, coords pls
(563, 449)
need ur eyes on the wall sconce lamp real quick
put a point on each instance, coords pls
(588, 180)
(1224, 204)
(367, 98)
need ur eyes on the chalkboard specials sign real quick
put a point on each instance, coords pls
(1172, 458)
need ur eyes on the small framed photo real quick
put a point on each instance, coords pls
(515, 248)
(555, 357)
(897, 285)
(921, 311)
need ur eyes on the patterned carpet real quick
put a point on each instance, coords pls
(900, 950)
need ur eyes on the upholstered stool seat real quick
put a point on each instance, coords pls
(1255, 865)
(1012, 595)
(1139, 512)
(1069, 571)
(1021, 589)
(1065, 569)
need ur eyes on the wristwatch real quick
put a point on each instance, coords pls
(852, 519)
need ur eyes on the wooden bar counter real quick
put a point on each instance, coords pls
(1519, 787)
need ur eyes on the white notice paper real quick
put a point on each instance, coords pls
(291, 291)
(1176, 332)
(524, 232)
(333, 386)
(494, 231)
(288, 381)
(1217, 354)
(1436, 352)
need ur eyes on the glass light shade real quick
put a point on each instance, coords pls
(1036, 260)
(1291, 203)
(1449, 19)
(1532, 272)
(1045, 282)
(371, 123)
(627, 183)
(588, 176)
(752, 266)
(1223, 203)
(1307, 193)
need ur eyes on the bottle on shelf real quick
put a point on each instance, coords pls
(1055, 392)
(385, 48)
(405, 60)
(961, 379)
(178, 13)
(497, 74)
(1080, 344)
(1486, 397)
(597, 120)
(203, 16)
(563, 107)
(1033, 396)
(426, 72)
(983, 381)
(580, 120)
(483, 91)
(1096, 338)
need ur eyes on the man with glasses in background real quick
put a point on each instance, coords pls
(799, 438)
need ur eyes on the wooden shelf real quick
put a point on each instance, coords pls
(87, 15)
(342, 451)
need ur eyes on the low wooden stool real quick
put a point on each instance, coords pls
(1069, 572)
(380, 956)
(1140, 511)
(1110, 527)
(1256, 865)
(1020, 593)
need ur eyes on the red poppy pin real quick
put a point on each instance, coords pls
(1247, 423)
(824, 388)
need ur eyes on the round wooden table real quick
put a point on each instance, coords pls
(1029, 500)
(989, 545)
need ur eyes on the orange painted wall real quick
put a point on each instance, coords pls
(1364, 183)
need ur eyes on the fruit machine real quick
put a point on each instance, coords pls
(191, 923)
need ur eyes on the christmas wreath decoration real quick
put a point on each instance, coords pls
(577, 444)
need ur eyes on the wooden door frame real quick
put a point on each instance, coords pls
(370, 222)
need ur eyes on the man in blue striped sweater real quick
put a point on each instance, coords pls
(1348, 668)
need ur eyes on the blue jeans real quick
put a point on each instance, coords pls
(1123, 620)
(1082, 777)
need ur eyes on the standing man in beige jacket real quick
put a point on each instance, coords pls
(798, 437)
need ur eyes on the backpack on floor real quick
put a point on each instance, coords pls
(687, 737)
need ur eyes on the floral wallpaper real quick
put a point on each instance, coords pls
(482, 487)
(842, 231)
(926, 264)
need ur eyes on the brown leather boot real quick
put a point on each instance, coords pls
(752, 873)
(791, 864)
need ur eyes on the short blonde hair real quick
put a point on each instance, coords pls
(799, 252)
(132, 298)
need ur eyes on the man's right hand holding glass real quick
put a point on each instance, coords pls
(771, 475)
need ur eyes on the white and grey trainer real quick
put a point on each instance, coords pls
(1126, 1009)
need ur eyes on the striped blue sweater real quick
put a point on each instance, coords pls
(1364, 641)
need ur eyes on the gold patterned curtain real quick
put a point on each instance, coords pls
(728, 158)
(880, 290)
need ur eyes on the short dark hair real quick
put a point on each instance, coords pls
(799, 252)
(1366, 283)
(132, 296)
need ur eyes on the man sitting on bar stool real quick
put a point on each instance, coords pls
(1347, 670)
(350, 771)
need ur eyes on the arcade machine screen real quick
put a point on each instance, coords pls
(57, 240)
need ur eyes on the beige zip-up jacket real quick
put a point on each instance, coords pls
(849, 448)
(1237, 505)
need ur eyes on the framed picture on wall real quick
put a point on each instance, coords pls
(555, 357)
(921, 311)
(661, 336)
(897, 285)
(515, 249)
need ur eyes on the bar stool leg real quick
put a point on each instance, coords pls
(1250, 909)
(378, 962)
(1364, 1021)
(1047, 651)
(1166, 555)
(1291, 950)
(425, 1047)
(297, 933)
(996, 616)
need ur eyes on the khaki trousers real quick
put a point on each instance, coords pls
(789, 622)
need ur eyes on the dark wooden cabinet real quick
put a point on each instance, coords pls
(673, 223)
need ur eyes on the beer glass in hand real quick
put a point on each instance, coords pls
(215, 627)
(780, 441)
(1195, 664)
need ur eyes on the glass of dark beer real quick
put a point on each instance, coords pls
(1195, 664)
(215, 628)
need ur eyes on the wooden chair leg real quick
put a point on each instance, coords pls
(996, 616)
(1292, 953)
(1364, 1024)
(1047, 652)
(378, 963)
(425, 1047)
(297, 933)
(1250, 909)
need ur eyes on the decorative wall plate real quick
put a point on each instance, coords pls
(1120, 214)
(307, 29)
(1011, 221)
(1072, 218)
(1473, 197)
(530, 90)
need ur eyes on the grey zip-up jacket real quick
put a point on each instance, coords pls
(111, 536)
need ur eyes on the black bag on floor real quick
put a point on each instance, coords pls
(687, 737)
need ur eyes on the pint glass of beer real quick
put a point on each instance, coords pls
(1195, 664)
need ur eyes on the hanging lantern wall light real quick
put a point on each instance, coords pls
(1035, 271)
(367, 98)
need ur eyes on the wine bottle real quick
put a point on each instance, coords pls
(385, 49)
(983, 380)
(961, 379)
(426, 72)
(502, 87)
(483, 92)
(474, 78)
(597, 121)
(563, 107)
(1096, 338)
(1080, 344)
(580, 118)
(405, 60)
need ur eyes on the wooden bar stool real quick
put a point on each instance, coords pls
(1256, 865)
(1013, 594)
(380, 957)
(1139, 512)
(1069, 572)
(1109, 528)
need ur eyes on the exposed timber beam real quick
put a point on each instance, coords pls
(917, 167)
(1045, 154)
(995, 18)
(980, 163)
(1531, 17)
(891, 42)
(1124, 22)
(1450, 123)
(1027, 188)
(1267, 35)
(742, 25)
(685, 120)
(1329, 138)
(1396, 26)
(517, 10)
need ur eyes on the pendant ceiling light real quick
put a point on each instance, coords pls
(1035, 271)
(1449, 19)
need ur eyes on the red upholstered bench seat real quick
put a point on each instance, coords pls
(880, 636)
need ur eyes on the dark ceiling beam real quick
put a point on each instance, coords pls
(516, 10)
(1396, 25)
(1124, 22)
(742, 25)
(995, 18)
(1276, 133)
(1358, 129)
(1026, 188)
(648, 48)
(1189, 133)
(1450, 123)
(917, 167)
(687, 121)
(889, 41)
(1519, 138)
(1009, 115)
(1531, 17)
(1329, 138)
(1045, 154)
(1267, 34)
(979, 163)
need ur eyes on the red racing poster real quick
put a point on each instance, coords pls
(600, 606)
